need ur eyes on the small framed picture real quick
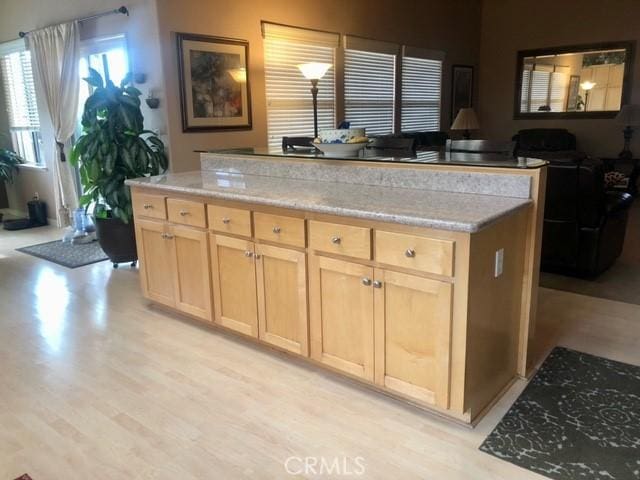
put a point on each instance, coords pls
(461, 88)
(214, 83)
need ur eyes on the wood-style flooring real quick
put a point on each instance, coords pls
(96, 385)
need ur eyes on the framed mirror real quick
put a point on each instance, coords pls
(579, 81)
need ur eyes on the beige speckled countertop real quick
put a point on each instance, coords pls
(466, 212)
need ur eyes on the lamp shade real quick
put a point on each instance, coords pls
(587, 85)
(314, 71)
(466, 120)
(629, 116)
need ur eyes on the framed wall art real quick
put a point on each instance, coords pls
(214, 83)
(461, 88)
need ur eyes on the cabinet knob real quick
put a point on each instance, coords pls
(410, 253)
(147, 206)
(226, 220)
(377, 284)
(276, 230)
(336, 240)
(184, 213)
(248, 253)
(163, 236)
(257, 256)
(366, 281)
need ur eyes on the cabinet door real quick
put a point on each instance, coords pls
(155, 251)
(341, 299)
(234, 284)
(282, 298)
(412, 331)
(192, 285)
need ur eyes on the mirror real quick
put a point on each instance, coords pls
(588, 81)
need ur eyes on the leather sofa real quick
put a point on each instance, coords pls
(584, 224)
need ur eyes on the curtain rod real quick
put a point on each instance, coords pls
(122, 10)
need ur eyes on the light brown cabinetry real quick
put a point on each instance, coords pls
(359, 313)
(417, 313)
(233, 271)
(174, 269)
(342, 315)
(261, 291)
(413, 335)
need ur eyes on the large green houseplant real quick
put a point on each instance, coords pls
(9, 161)
(114, 146)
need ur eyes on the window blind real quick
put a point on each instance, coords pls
(289, 102)
(369, 90)
(19, 90)
(421, 90)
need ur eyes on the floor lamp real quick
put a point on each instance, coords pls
(314, 72)
(586, 86)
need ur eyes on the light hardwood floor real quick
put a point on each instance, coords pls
(94, 384)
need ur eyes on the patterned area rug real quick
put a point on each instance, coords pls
(579, 418)
(66, 254)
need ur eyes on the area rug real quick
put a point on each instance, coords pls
(579, 418)
(24, 477)
(66, 254)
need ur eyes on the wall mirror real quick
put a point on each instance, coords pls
(585, 81)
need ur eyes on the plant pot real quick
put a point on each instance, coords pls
(117, 239)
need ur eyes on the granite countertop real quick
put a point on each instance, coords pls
(466, 212)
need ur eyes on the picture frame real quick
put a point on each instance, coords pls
(213, 74)
(572, 94)
(461, 88)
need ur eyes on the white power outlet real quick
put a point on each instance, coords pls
(499, 264)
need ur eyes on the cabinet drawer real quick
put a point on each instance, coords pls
(277, 228)
(152, 206)
(340, 239)
(229, 220)
(186, 212)
(418, 253)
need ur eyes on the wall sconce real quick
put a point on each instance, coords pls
(314, 72)
(151, 101)
(238, 74)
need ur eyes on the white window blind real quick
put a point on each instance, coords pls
(542, 87)
(421, 91)
(20, 99)
(288, 92)
(369, 90)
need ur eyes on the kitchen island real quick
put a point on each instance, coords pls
(412, 277)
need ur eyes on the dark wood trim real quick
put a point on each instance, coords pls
(180, 38)
(628, 45)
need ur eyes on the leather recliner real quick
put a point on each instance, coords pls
(584, 224)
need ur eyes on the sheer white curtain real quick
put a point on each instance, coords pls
(55, 52)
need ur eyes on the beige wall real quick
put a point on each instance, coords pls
(141, 30)
(451, 26)
(512, 25)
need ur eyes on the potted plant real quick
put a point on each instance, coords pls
(114, 146)
(9, 161)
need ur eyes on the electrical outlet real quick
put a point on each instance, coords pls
(499, 263)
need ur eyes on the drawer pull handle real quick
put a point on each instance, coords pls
(410, 253)
(167, 236)
(257, 256)
(336, 240)
(226, 220)
(163, 236)
(147, 206)
(366, 281)
(377, 284)
(248, 254)
(184, 213)
(276, 230)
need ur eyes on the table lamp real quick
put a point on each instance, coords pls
(628, 117)
(466, 120)
(586, 86)
(314, 72)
